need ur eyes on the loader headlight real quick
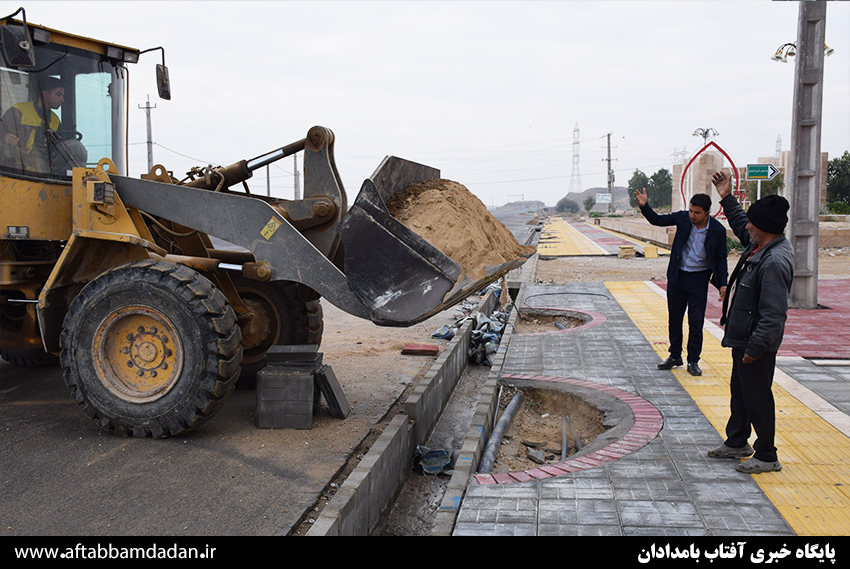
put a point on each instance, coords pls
(41, 36)
(125, 55)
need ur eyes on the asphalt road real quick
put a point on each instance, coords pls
(62, 475)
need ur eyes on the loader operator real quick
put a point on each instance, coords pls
(23, 131)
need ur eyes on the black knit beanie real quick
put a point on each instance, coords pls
(770, 214)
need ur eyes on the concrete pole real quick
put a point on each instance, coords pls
(147, 108)
(805, 166)
(297, 177)
(610, 177)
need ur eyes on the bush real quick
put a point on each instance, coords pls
(839, 208)
(733, 244)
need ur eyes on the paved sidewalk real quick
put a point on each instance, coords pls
(563, 238)
(667, 486)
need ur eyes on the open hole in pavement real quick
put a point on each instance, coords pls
(536, 433)
(546, 320)
(628, 423)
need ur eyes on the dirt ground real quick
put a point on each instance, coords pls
(539, 425)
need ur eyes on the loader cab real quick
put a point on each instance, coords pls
(90, 123)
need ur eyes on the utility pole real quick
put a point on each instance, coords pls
(805, 166)
(147, 108)
(297, 177)
(610, 176)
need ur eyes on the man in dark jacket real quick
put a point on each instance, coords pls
(698, 256)
(754, 314)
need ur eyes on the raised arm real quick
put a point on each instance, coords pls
(734, 212)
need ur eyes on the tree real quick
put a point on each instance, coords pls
(637, 182)
(659, 188)
(589, 202)
(838, 179)
(566, 204)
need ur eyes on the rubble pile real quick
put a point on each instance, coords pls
(486, 332)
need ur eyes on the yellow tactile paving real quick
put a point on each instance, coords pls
(812, 491)
(559, 239)
(661, 251)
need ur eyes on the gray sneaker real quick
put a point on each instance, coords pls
(755, 466)
(724, 451)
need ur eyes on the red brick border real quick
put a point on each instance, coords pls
(647, 425)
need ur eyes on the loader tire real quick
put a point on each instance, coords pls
(18, 321)
(150, 349)
(282, 318)
(33, 357)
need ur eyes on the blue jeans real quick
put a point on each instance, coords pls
(689, 293)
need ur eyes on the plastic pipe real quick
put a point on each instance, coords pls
(564, 446)
(489, 456)
(575, 437)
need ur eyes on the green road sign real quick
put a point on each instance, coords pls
(761, 171)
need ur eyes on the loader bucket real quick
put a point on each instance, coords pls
(399, 276)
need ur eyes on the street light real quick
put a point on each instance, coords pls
(786, 50)
(706, 133)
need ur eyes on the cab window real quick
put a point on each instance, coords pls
(63, 113)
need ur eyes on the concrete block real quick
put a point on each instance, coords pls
(284, 399)
(285, 388)
(294, 356)
(332, 390)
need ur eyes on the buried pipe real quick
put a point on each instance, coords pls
(489, 456)
(567, 427)
(564, 443)
(575, 437)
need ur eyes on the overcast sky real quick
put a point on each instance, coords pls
(489, 92)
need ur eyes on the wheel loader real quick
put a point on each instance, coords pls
(155, 294)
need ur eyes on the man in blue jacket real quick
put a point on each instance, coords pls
(754, 314)
(698, 256)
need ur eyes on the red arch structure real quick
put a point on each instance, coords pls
(685, 171)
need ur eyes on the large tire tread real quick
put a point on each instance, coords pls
(221, 342)
(303, 321)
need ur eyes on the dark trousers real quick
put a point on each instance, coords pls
(689, 293)
(752, 405)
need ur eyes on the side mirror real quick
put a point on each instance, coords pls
(16, 45)
(163, 85)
